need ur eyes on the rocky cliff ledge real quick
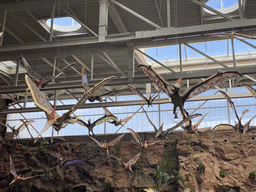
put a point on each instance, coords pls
(220, 161)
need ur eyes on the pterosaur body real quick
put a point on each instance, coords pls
(116, 121)
(41, 82)
(106, 145)
(54, 119)
(20, 128)
(179, 97)
(99, 121)
(130, 162)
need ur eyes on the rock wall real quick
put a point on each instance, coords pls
(227, 157)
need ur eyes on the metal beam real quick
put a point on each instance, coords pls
(233, 51)
(249, 77)
(12, 34)
(65, 61)
(168, 5)
(52, 20)
(80, 22)
(232, 95)
(30, 28)
(180, 54)
(92, 65)
(17, 74)
(81, 62)
(53, 65)
(111, 62)
(3, 27)
(155, 60)
(5, 80)
(247, 43)
(71, 84)
(145, 36)
(130, 64)
(136, 14)
(214, 60)
(103, 20)
(159, 13)
(213, 10)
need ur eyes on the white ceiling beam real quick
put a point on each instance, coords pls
(3, 26)
(155, 60)
(212, 10)
(214, 60)
(136, 14)
(103, 20)
(30, 28)
(168, 5)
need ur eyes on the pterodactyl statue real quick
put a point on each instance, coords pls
(15, 175)
(54, 119)
(238, 125)
(41, 82)
(99, 121)
(138, 139)
(97, 97)
(20, 128)
(115, 121)
(129, 163)
(106, 145)
(179, 97)
(187, 126)
(148, 100)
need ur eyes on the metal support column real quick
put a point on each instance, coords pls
(26, 99)
(130, 64)
(233, 52)
(17, 73)
(103, 20)
(180, 57)
(52, 19)
(92, 62)
(55, 103)
(168, 14)
(3, 28)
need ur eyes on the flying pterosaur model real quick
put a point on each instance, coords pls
(54, 119)
(41, 82)
(99, 121)
(15, 175)
(179, 97)
(115, 121)
(239, 127)
(106, 145)
(148, 100)
(130, 162)
(138, 139)
(98, 97)
(20, 128)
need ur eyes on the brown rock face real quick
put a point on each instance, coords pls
(227, 159)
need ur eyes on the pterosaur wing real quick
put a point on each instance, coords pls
(230, 102)
(135, 136)
(84, 79)
(113, 142)
(253, 91)
(199, 122)
(246, 126)
(138, 93)
(12, 169)
(105, 118)
(223, 127)
(98, 143)
(31, 72)
(107, 111)
(149, 119)
(157, 79)
(58, 74)
(134, 159)
(243, 113)
(24, 124)
(209, 83)
(125, 120)
(39, 98)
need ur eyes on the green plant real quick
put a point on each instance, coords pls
(226, 188)
(223, 173)
(201, 167)
(252, 175)
(117, 153)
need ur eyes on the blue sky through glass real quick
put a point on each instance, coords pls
(216, 4)
(64, 21)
